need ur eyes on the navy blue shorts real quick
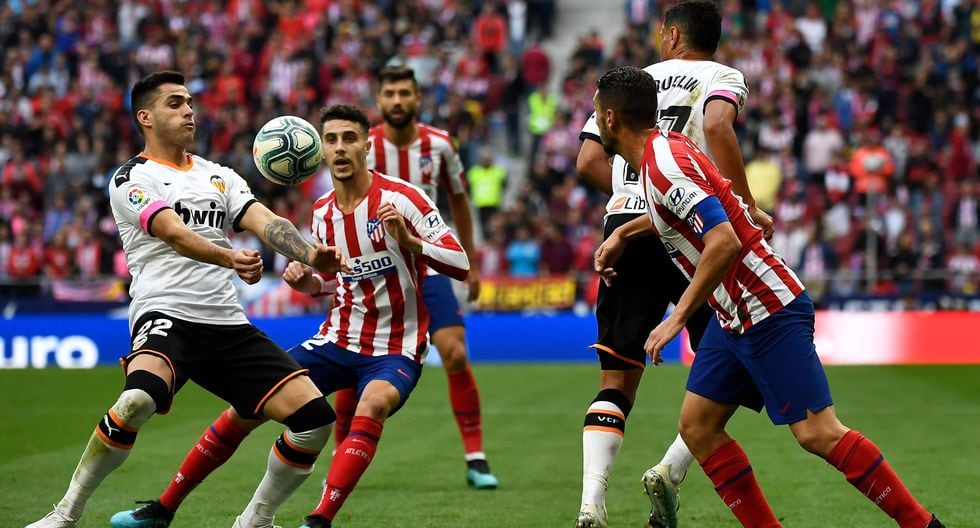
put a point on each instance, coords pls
(773, 364)
(333, 368)
(440, 302)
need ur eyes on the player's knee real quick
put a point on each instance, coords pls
(453, 354)
(315, 414)
(145, 393)
(122, 422)
(694, 433)
(377, 405)
(817, 440)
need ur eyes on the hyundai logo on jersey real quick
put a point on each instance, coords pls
(676, 196)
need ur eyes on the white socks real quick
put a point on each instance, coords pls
(679, 458)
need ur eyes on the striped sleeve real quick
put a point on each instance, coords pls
(439, 245)
(453, 175)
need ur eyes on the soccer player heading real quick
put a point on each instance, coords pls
(426, 157)
(759, 350)
(700, 98)
(185, 321)
(374, 338)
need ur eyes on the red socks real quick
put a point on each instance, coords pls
(350, 461)
(344, 404)
(729, 470)
(862, 463)
(465, 400)
(215, 446)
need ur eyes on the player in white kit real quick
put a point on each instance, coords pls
(174, 210)
(701, 99)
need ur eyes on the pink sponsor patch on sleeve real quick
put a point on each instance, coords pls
(149, 212)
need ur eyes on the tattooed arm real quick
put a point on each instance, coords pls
(281, 235)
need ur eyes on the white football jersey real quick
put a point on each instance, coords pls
(683, 88)
(210, 199)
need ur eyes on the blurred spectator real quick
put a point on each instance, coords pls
(821, 145)
(556, 252)
(523, 254)
(764, 175)
(542, 109)
(487, 182)
(871, 164)
(492, 255)
(490, 35)
(965, 214)
(964, 269)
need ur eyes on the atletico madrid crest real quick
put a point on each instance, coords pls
(375, 230)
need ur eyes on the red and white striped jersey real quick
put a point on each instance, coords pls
(378, 307)
(429, 161)
(677, 176)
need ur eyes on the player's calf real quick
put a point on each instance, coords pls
(602, 437)
(290, 461)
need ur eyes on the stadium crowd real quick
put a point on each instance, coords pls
(861, 134)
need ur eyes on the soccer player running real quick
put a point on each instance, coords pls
(701, 99)
(374, 338)
(174, 210)
(426, 157)
(758, 350)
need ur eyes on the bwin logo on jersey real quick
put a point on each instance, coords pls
(218, 182)
(214, 218)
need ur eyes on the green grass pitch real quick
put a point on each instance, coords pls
(925, 419)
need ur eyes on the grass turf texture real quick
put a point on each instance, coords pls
(925, 419)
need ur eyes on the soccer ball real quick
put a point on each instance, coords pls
(287, 150)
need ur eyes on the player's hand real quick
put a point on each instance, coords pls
(763, 219)
(395, 225)
(296, 273)
(472, 285)
(606, 256)
(327, 259)
(247, 263)
(664, 333)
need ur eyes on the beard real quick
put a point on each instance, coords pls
(609, 145)
(407, 118)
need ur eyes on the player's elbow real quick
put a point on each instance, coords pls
(716, 127)
(729, 247)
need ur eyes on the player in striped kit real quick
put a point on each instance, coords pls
(759, 350)
(426, 157)
(700, 98)
(374, 337)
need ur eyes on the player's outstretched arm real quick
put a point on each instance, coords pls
(719, 115)
(593, 165)
(281, 235)
(721, 248)
(167, 226)
(459, 208)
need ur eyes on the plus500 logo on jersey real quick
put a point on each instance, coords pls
(369, 267)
